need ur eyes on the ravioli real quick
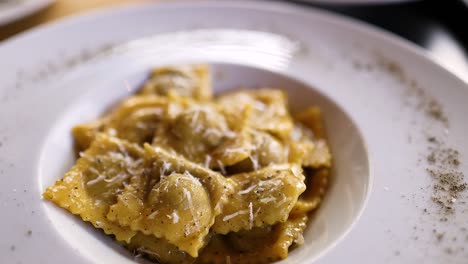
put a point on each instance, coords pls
(92, 185)
(207, 134)
(187, 80)
(136, 119)
(178, 175)
(259, 245)
(158, 249)
(269, 107)
(307, 149)
(259, 198)
(176, 200)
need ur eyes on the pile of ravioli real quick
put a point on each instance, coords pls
(178, 175)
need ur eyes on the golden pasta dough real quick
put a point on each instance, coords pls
(91, 186)
(178, 175)
(259, 198)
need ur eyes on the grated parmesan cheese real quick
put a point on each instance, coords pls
(247, 190)
(117, 179)
(212, 131)
(153, 214)
(251, 217)
(86, 156)
(272, 182)
(237, 150)
(207, 161)
(256, 212)
(195, 117)
(229, 217)
(112, 132)
(141, 125)
(175, 217)
(260, 106)
(296, 171)
(300, 238)
(93, 170)
(188, 196)
(230, 134)
(195, 179)
(279, 167)
(148, 252)
(254, 161)
(164, 168)
(296, 134)
(96, 180)
(221, 167)
(267, 199)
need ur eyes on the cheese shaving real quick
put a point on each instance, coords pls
(207, 161)
(93, 170)
(117, 179)
(296, 171)
(247, 190)
(221, 167)
(229, 217)
(153, 214)
(164, 168)
(267, 199)
(175, 217)
(251, 218)
(188, 196)
(96, 180)
(254, 161)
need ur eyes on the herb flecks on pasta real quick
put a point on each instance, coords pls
(179, 175)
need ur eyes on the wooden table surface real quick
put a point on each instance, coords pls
(59, 9)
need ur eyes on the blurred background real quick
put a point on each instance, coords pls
(439, 26)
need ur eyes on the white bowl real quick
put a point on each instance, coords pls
(341, 208)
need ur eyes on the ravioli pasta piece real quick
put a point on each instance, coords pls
(260, 198)
(135, 119)
(317, 183)
(181, 207)
(237, 145)
(312, 119)
(91, 186)
(195, 132)
(130, 202)
(166, 163)
(206, 135)
(138, 117)
(230, 152)
(178, 209)
(308, 150)
(203, 197)
(300, 144)
(320, 156)
(267, 149)
(261, 149)
(269, 109)
(84, 134)
(188, 80)
(256, 246)
(158, 249)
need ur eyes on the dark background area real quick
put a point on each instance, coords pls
(440, 26)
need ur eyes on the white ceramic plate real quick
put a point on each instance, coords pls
(11, 10)
(384, 102)
(358, 1)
